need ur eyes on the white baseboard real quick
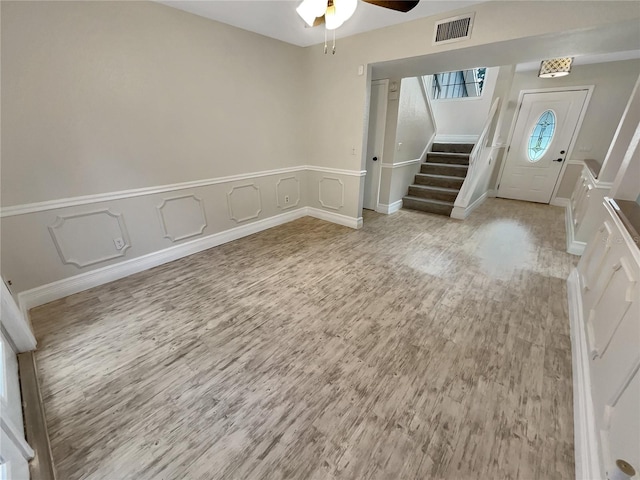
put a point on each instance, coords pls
(390, 208)
(460, 213)
(574, 247)
(456, 139)
(334, 217)
(84, 281)
(560, 202)
(587, 457)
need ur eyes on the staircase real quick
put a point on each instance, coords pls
(440, 179)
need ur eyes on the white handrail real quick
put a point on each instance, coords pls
(475, 168)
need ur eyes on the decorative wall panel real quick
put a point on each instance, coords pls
(84, 239)
(288, 192)
(182, 217)
(244, 202)
(331, 193)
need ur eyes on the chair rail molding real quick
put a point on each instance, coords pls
(23, 209)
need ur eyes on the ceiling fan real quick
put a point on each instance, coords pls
(334, 13)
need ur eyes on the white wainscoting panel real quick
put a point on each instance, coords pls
(604, 308)
(84, 239)
(244, 202)
(182, 217)
(43, 263)
(331, 193)
(288, 192)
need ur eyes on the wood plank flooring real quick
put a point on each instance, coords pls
(418, 347)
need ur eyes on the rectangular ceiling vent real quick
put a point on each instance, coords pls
(453, 29)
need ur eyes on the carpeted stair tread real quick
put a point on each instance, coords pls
(436, 180)
(444, 169)
(429, 200)
(427, 205)
(448, 158)
(436, 189)
(436, 176)
(434, 193)
(452, 147)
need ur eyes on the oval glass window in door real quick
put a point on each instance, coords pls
(541, 136)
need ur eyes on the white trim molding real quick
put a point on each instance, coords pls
(560, 202)
(26, 208)
(14, 321)
(325, 204)
(163, 224)
(406, 163)
(332, 217)
(232, 215)
(390, 208)
(574, 247)
(68, 259)
(460, 213)
(587, 456)
(83, 281)
(292, 205)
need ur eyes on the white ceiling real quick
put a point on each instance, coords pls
(278, 19)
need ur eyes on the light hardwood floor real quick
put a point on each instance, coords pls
(419, 347)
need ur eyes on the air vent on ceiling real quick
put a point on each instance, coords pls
(453, 29)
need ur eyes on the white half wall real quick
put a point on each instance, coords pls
(409, 133)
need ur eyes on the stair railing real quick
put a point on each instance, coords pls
(479, 163)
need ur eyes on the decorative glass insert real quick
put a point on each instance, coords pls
(541, 136)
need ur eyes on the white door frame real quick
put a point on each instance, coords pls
(384, 102)
(16, 337)
(589, 89)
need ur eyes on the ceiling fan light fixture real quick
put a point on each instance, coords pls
(345, 8)
(309, 10)
(331, 18)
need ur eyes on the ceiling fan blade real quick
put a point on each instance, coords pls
(398, 5)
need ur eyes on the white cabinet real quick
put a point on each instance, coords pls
(606, 293)
(585, 210)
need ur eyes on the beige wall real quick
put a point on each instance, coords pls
(106, 96)
(465, 116)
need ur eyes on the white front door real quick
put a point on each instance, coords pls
(375, 143)
(545, 127)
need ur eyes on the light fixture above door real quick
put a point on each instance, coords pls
(555, 67)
